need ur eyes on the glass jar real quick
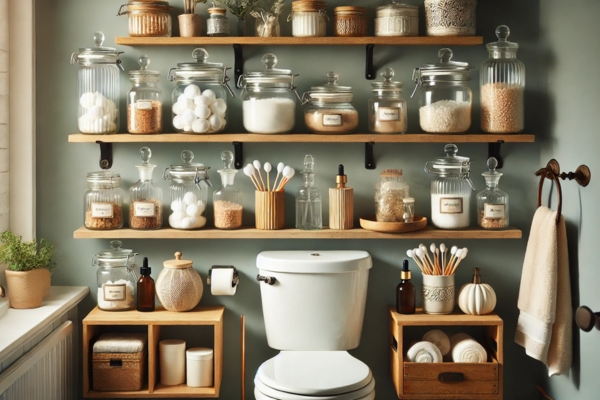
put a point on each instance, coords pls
(397, 19)
(200, 98)
(217, 23)
(144, 104)
(387, 109)
(502, 83)
(350, 21)
(227, 201)
(267, 21)
(309, 18)
(98, 87)
(450, 17)
(309, 199)
(330, 109)
(189, 187)
(409, 209)
(390, 193)
(450, 190)
(145, 208)
(445, 98)
(492, 203)
(116, 278)
(148, 17)
(103, 201)
(269, 98)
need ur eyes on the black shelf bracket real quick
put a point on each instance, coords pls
(494, 151)
(369, 158)
(106, 154)
(238, 154)
(369, 68)
(238, 65)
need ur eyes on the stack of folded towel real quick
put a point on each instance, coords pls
(435, 344)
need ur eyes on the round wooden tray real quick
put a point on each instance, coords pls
(393, 227)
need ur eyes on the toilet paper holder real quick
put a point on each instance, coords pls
(236, 278)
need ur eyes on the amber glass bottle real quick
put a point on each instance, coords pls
(405, 292)
(145, 289)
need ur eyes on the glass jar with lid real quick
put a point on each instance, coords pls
(269, 98)
(97, 87)
(116, 278)
(397, 19)
(144, 103)
(103, 201)
(492, 203)
(309, 18)
(350, 21)
(217, 23)
(227, 201)
(390, 193)
(200, 97)
(330, 109)
(148, 17)
(309, 199)
(445, 98)
(145, 208)
(450, 190)
(189, 192)
(502, 84)
(387, 109)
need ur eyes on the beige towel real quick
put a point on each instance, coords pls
(544, 327)
(439, 338)
(465, 349)
(424, 352)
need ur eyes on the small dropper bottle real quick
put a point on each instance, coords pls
(405, 292)
(145, 289)
(341, 203)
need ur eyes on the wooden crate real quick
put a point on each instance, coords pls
(447, 380)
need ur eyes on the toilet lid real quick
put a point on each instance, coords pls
(314, 373)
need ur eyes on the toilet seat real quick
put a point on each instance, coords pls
(263, 392)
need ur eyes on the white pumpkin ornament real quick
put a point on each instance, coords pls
(477, 298)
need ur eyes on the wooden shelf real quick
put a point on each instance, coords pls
(253, 233)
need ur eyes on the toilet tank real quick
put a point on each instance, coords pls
(318, 299)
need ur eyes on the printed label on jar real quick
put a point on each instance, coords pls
(143, 209)
(114, 292)
(332, 120)
(143, 105)
(493, 211)
(102, 210)
(388, 114)
(451, 205)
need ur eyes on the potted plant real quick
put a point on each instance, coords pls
(29, 268)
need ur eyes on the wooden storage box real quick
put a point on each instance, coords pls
(446, 380)
(119, 362)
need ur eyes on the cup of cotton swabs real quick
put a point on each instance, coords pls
(269, 202)
(438, 275)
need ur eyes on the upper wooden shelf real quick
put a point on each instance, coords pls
(198, 316)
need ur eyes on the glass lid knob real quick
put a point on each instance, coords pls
(492, 163)
(144, 62)
(502, 33)
(98, 38)
(200, 55)
(115, 244)
(227, 158)
(445, 55)
(187, 156)
(270, 60)
(145, 154)
(387, 74)
(309, 162)
(331, 78)
(451, 150)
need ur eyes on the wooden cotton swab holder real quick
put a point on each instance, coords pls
(341, 203)
(269, 210)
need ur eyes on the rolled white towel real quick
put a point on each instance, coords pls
(424, 352)
(466, 349)
(439, 338)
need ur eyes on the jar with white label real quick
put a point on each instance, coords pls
(145, 204)
(450, 190)
(144, 103)
(103, 201)
(116, 278)
(387, 109)
(492, 203)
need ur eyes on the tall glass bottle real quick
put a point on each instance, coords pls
(146, 289)
(227, 201)
(492, 203)
(405, 292)
(308, 199)
(145, 210)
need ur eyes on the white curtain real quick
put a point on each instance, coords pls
(4, 183)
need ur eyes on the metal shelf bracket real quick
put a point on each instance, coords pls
(369, 158)
(494, 151)
(369, 68)
(238, 154)
(106, 154)
(238, 66)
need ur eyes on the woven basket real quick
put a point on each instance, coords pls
(179, 287)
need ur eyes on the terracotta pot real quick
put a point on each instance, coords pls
(27, 289)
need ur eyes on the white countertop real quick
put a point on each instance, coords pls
(18, 326)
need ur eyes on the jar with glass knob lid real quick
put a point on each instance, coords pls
(116, 277)
(227, 201)
(144, 103)
(145, 208)
(200, 97)
(387, 109)
(97, 87)
(502, 83)
(103, 201)
(492, 203)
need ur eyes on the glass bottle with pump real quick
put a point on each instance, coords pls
(308, 199)
(227, 201)
(146, 289)
(405, 292)
(492, 203)
(145, 210)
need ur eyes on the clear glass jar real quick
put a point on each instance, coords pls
(189, 192)
(450, 17)
(148, 18)
(227, 201)
(397, 19)
(409, 209)
(145, 198)
(330, 109)
(200, 98)
(217, 23)
(492, 203)
(387, 109)
(502, 84)
(450, 190)
(350, 21)
(97, 87)
(103, 201)
(445, 98)
(309, 199)
(116, 278)
(309, 18)
(144, 103)
(267, 22)
(269, 98)
(390, 193)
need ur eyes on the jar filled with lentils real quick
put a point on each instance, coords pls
(350, 21)
(148, 17)
(103, 201)
(144, 105)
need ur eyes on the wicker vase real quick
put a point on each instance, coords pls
(179, 287)
(27, 289)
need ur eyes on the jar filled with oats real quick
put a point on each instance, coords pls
(389, 196)
(144, 105)
(103, 201)
(492, 203)
(227, 201)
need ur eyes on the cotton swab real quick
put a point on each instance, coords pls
(443, 251)
(280, 167)
(267, 168)
(426, 253)
(460, 258)
(248, 171)
(257, 166)
(288, 173)
(452, 255)
(411, 254)
(419, 252)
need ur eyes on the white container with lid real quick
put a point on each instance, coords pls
(397, 19)
(199, 367)
(171, 355)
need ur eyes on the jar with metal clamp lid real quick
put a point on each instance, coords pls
(445, 98)
(450, 190)
(116, 278)
(492, 203)
(189, 192)
(148, 17)
(98, 87)
(309, 18)
(387, 109)
(217, 23)
(103, 201)
(200, 98)
(144, 103)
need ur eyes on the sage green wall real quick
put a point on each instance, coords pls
(557, 80)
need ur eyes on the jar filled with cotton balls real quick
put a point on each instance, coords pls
(189, 188)
(200, 98)
(97, 87)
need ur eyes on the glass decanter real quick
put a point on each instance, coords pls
(145, 211)
(492, 203)
(227, 201)
(308, 199)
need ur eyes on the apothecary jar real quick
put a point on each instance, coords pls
(116, 278)
(144, 100)
(103, 201)
(387, 108)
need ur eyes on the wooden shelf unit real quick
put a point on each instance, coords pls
(200, 316)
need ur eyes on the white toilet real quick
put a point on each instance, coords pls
(313, 305)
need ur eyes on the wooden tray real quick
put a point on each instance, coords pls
(393, 227)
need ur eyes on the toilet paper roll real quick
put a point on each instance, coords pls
(221, 282)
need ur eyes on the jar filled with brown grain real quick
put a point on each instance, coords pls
(148, 17)
(145, 208)
(144, 104)
(387, 109)
(227, 201)
(103, 201)
(350, 21)
(390, 193)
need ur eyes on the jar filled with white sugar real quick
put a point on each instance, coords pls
(450, 190)
(116, 278)
(445, 99)
(309, 18)
(269, 98)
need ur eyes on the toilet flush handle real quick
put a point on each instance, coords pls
(269, 280)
